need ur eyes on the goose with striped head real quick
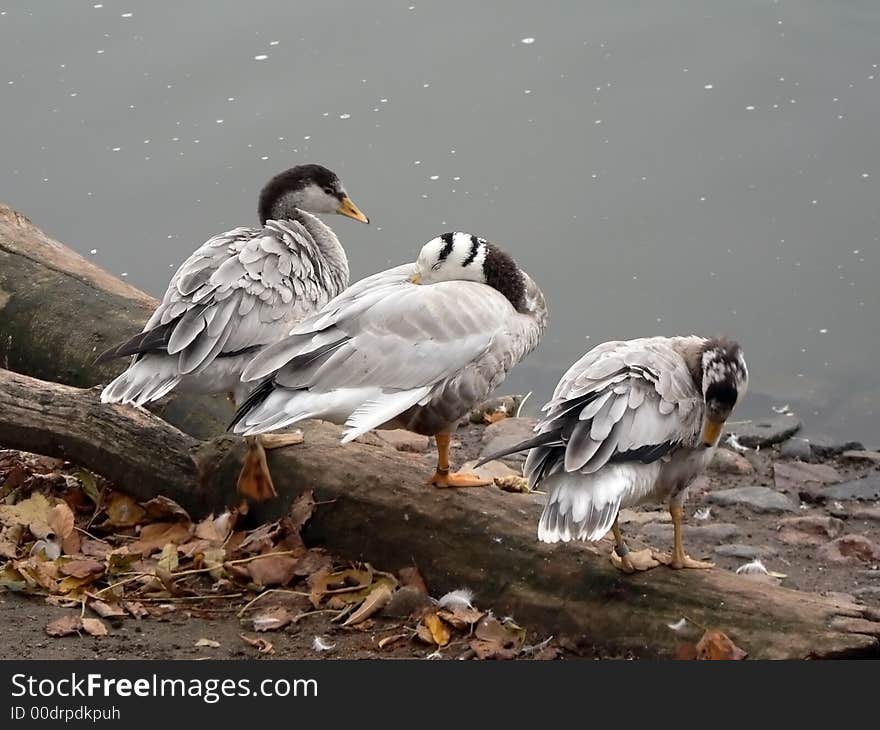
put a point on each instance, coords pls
(413, 347)
(632, 422)
(240, 291)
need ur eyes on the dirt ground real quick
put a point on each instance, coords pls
(836, 550)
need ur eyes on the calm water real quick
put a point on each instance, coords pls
(660, 167)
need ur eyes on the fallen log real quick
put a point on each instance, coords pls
(374, 504)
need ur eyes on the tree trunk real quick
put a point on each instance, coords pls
(375, 503)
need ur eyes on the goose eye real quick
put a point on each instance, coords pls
(329, 191)
(436, 267)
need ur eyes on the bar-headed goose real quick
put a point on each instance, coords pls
(632, 422)
(414, 347)
(239, 291)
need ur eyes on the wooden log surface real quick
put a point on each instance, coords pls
(375, 505)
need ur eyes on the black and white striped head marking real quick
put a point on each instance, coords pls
(465, 257)
(725, 377)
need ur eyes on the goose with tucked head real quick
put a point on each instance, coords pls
(240, 291)
(414, 347)
(632, 422)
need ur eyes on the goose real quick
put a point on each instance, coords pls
(414, 347)
(239, 291)
(631, 422)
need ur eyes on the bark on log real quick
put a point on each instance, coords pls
(378, 507)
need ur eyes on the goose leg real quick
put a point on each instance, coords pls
(679, 559)
(443, 477)
(627, 561)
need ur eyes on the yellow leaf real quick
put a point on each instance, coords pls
(168, 558)
(32, 513)
(373, 603)
(123, 511)
(439, 631)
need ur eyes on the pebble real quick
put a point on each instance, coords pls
(719, 532)
(632, 517)
(726, 461)
(873, 456)
(766, 431)
(490, 470)
(867, 592)
(809, 530)
(506, 433)
(824, 447)
(794, 475)
(865, 513)
(744, 552)
(758, 499)
(849, 549)
(796, 448)
(867, 488)
(404, 440)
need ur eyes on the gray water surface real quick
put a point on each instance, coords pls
(658, 167)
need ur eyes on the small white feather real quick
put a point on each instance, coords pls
(678, 625)
(756, 567)
(459, 598)
(320, 643)
(704, 513)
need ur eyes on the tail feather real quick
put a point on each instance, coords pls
(144, 381)
(549, 438)
(579, 507)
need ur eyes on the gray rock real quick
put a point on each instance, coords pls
(758, 499)
(824, 447)
(869, 592)
(809, 530)
(718, 532)
(849, 549)
(744, 552)
(865, 489)
(856, 455)
(796, 448)
(507, 433)
(725, 461)
(403, 440)
(789, 476)
(629, 516)
(766, 431)
(865, 513)
(490, 470)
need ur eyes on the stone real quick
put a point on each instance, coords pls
(791, 476)
(726, 461)
(504, 434)
(766, 431)
(856, 455)
(404, 440)
(744, 552)
(796, 448)
(405, 601)
(867, 488)
(490, 470)
(809, 530)
(824, 447)
(632, 517)
(757, 499)
(869, 592)
(850, 549)
(865, 513)
(718, 532)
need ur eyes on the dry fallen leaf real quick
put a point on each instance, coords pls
(272, 570)
(123, 511)
(494, 641)
(157, 535)
(461, 617)
(389, 640)
(162, 508)
(136, 609)
(32, 513)
(717, 645)
(64, 626)
(208, 642)
(60, 520)
(262, 645)
(301, 511)
(272, 619)
(410, 576)
(216, 529)
(82, 568)
(438, 631)
(106, 610)
(491, 418)
(168, 561)
(94, 627)
(373, 603)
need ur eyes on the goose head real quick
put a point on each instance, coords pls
(311, 188)
(725, 381)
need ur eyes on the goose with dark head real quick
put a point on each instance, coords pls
(436, 338)
(238, 292)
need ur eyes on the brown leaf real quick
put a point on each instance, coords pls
(64, 626)
(162, 508)
(460, 617)
(272, 619)
(264, 646)
(494, 641)
(439, 630)
(135, 609)
(491, 418)
(351, 581)
(686, 652)
(373, 603)
(94, 627)
(82, 568)
(156, 536)
(312, 562)
(717, 645)
(106, 610)
(72, 544)
(10, 536)
(410, 576)
(60, 520)
(216, 529)
(123, 511)
(94, 548)
(273, 570)
(73, 587)
(301, 511)
(260, 540)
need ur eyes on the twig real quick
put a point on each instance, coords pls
(266, 593)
